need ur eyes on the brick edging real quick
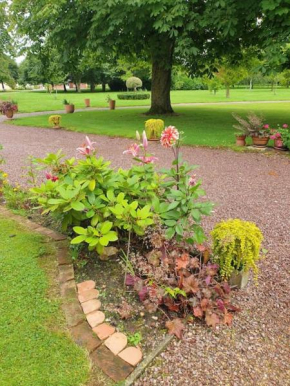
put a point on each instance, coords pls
(82, 334)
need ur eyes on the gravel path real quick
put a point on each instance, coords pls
(252, 186)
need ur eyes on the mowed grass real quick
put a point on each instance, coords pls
(30, 101)
(202, 125)
(35, 350)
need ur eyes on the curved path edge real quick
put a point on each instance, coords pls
(113, 366)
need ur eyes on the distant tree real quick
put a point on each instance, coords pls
(229, 75)
(213, 83)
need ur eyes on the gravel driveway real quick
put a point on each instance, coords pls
(251, 186)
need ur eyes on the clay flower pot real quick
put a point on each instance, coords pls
(112, 104)
(239, 279)
(88, 102)
(241, 140)
(9, 113)
(69, 109)
(260, 141)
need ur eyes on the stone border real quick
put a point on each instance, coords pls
(112, 365)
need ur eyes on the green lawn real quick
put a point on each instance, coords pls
(35, 350)
(30, 101)
(202, 125)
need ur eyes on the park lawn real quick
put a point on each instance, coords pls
(35, 350)
(30, 101)
(208, 125)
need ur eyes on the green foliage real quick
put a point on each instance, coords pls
(153, 128)
(134, 339)
(134, 96)
(181, 81)
(236, 246)
(133, 83)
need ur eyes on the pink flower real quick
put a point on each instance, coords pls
(145, 141)
(285, 126)
(266, 126)
(169, 136)
(148, 160)
(87, 147)
(133, 150)
(192, 180)
(49, 176)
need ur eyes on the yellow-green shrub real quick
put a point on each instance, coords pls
(153, 128)
(236, 246)
(54, 120)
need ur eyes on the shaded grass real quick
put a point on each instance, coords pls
(202, 125)
(29, 101)
(34, 347)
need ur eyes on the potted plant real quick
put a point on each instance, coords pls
(254, 127)
(236, 248)
(55, 121)
(154, 128)
(15, 103)
(112, 103)
(8, 109)
(88, 102)
(69, 107)
(281, 137)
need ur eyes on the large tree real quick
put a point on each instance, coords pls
(191, 32)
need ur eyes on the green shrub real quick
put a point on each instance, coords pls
(133, 96)
(236, 246)
(134, 83)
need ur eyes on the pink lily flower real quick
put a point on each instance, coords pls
(169, 136)
(148, 160)
(87, 147)
(133, 150)
(145, 140)
(285, 126)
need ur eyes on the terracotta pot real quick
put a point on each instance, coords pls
(239, 279)
(241, 140)
(69, 109)
(260, 141)
(278, 144)
(112, 104)
(88, 102)
(9, 113)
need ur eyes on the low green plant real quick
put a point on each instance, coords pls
(54, 120)
(236, 246)
(133, 96)
(134, 339)
(153, 128)
(66, 102)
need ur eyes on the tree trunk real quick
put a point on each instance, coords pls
(92, 86)
(227, 92)
(104, 87)
(64, 88)
(79, 87)
(161, 77)
(3, 87)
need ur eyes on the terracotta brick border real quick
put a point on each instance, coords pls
(112, 365)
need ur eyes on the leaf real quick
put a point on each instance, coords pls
(92, 185)
(78, 206)
(182, 261)
(106, 227)
(175, 327)
(197, 312)
(78, 239)
(228, 318)
(211, 319)
(130, 280)
(190, 284)
(126, 310)
(143, 293)
(80, 230)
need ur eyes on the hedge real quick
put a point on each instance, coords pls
(134, 95)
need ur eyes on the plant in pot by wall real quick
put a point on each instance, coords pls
(112, 103)
(154, 128)
(242, 130)
(8, 109)
(254, 126)
(55, 121)
(236, 248)
(281, 137)
(69, 107)
(88, 102)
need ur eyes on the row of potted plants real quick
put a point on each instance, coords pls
(70, 107)
(253, 126)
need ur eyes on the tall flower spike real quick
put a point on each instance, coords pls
(138, 135)
(145, 140)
